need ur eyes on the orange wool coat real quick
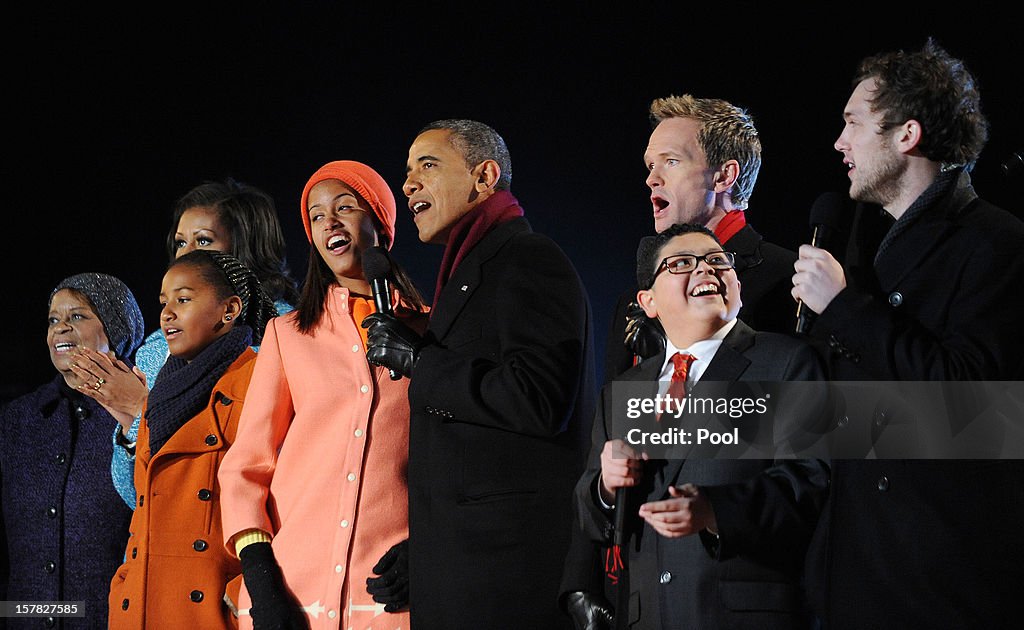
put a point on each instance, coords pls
(177, 568)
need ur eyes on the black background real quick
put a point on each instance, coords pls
(111, 115)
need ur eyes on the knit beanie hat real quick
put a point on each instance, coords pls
(365, 181)
(116, 307)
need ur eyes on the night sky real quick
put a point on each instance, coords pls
(112, 116)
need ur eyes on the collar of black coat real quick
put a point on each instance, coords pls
(923, 227)
(453, 297)
(746, 244)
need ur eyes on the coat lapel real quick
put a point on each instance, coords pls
(464, 282)
(930, 230)
(746, 245)
(728, 365)
(907, 250)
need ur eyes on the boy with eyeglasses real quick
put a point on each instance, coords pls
(713, 543)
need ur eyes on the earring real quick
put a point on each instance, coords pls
(227, 318)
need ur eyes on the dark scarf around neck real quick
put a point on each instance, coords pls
(183, 388)
(471, 228)
(936, 190)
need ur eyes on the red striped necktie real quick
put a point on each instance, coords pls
(677, 387)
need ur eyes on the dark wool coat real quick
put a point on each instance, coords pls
(925, 543)
(500, 403)
(66, 528)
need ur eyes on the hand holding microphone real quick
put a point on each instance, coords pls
(819, 277)
(621, 469)
(390, 343)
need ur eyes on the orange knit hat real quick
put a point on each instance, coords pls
(365, 181)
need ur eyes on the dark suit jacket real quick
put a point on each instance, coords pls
(765, 271)
(925, 543)
(500, 402)
(766, 510)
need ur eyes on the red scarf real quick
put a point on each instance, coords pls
(471, 228)
(732, 222)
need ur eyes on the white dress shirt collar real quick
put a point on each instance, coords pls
(704, 350)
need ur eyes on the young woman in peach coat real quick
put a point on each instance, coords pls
(315, 493)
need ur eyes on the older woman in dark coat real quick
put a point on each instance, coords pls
(63, 526)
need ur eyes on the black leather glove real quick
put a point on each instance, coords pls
(272, 606)
(644, 336)
(589, 611)
(391, 344)
(392, 587)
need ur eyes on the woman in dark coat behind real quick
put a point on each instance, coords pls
(63, 527)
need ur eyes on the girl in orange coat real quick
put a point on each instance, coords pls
(315, 488)
(176, 568)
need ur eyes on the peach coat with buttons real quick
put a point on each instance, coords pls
(320, 463)
(176, 567)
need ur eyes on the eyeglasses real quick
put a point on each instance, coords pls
(685, 263)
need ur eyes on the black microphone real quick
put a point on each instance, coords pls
(377, 268)
(619, 533)
(825, 217)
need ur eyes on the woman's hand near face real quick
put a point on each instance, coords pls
(109, 381)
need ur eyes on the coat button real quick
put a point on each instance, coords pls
(124, 604)
(61, 458)
(883, 483)
(50, 622)
(880, 419)
(211, 440)
(200, 545)
(665, 577)
(50, 567)
(51, 512)
(81, 413)
(196, 596)
(842, 422)
(135, 552)
(895, 298)
(204, 495)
